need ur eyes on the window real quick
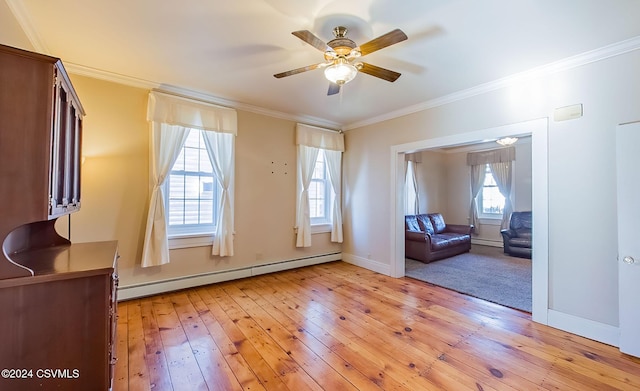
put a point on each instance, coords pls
(191, 190)
(320, 193)
(490, 200)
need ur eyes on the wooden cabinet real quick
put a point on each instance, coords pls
(59, 325)
(57, 299)
(40, 151)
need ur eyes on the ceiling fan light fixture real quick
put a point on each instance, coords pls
(506, 141)
(341, 72)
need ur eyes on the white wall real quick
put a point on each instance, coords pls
(581, 187)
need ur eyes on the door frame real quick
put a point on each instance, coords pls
(629, 340)
(539, 129)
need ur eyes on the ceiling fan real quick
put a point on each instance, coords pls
(341, 54)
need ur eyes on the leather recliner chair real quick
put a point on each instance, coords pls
(517, 239)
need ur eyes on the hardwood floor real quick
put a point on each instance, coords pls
(339, 327)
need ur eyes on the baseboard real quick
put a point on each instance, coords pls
(597, 331)
(370, 264)
(486, 242)
(127, 292)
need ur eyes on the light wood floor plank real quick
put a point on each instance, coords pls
(310, 362)
(294, 323)
(121, 377)
(159, 378)
(181, 362)
(359, 355)
(335, 326)
(214, 368)
(265, 374)
(278, 359)
(237, 364)
(138, 378)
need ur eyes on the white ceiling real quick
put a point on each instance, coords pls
(231, 49)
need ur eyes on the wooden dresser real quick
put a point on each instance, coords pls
(57, 299)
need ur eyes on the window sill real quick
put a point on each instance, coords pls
(320, 228)
(187, 241)
(497, 220)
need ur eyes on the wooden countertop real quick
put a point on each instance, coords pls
(61, 262)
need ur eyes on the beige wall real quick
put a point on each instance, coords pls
(10, 32)
(115, 188)
(579, 152)
(432, 179)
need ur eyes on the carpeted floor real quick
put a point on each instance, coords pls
(485, 272)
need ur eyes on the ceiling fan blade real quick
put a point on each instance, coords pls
(298, 70)
(377, 71)
(333, 89)
(388, 39)
(312, 40)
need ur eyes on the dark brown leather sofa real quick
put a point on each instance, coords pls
(428, 238)
(517, 239)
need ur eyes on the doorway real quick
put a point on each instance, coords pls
(539, 135)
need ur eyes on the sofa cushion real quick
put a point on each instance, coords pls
(411, 223)
(456, 238)
(439, 242)
(438, 222)
(520, 242)
(524, 233)
(425, 223)
(445, 240)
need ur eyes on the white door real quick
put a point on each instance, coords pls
(628, 189)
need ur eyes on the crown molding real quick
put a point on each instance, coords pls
(82, 70)
(193, 94)
(585, 58)
(22, 16)
(310, 120)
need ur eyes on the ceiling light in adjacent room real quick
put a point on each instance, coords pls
(341, 72)
(506, 141)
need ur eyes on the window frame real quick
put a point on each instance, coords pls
(191, 235)
(322, 224)
(480, 198)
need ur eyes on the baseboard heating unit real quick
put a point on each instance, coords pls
(126, 292)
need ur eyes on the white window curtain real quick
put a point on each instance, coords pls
(310, 140)
(220, 147)
(306, 162)
(502, 173)
(166, 143)
(171, 117)
(411, 182)
(478, 160)
(477, 180)
(334, 164)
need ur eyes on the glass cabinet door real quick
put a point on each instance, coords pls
(65, 152)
